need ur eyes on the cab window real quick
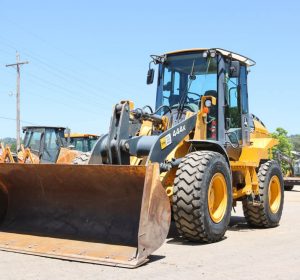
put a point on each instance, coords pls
(51, 147)
(34, 141)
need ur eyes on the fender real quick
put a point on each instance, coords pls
(209, 145)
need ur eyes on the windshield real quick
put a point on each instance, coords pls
(186, 74)
(83, 144)
(33, 139)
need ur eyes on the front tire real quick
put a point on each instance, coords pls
(202, 197)
(271, 192)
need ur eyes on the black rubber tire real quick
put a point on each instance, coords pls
(190, 198)
(82, 159)
(261, 215)
(288, 188)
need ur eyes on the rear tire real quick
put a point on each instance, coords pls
(271, 192)
(202, 197)
(82, 159)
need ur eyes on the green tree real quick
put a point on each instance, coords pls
(284, 146)
(13, 147)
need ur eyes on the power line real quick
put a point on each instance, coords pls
(72, 96)
(13, 119)
(88, 88)
(108, 75)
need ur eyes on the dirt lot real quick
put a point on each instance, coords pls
(244, 254)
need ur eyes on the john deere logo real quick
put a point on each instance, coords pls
(166, 141)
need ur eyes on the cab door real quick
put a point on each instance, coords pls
(51, 146)
(237, 109)
(245, 116)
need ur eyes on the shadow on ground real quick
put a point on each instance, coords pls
(237, 223)
(176, 239)
(155, 258)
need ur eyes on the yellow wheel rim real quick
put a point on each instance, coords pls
(217, 197)
(274, 194)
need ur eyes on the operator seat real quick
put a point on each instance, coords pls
(174, 99)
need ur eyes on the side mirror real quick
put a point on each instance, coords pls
(150, 76)
(234, 71)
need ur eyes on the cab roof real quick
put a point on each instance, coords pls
(84, 135)
(248, 61)
(41, 127)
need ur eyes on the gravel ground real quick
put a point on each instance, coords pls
(245, 253)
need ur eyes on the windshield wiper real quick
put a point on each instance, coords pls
(192, 77)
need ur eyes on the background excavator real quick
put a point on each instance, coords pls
(195, 155)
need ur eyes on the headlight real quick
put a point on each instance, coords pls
(208, 103)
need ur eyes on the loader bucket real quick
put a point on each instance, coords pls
(106, 214)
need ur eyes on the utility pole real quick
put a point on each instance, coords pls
(18, 65)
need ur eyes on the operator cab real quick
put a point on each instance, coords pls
(44, 142)
(185, 76)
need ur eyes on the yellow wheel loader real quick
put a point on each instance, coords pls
(193, 156)
(82, 141)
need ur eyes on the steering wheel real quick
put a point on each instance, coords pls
(192, 100)
(190, 107)
(194, 93)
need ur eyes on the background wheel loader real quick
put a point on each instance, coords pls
(83, 142)
(195, 155)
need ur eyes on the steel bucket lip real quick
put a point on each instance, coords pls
(126, 258)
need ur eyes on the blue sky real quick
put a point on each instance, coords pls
(85, 56)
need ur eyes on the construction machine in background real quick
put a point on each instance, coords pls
(195, 155)
(292, 176)
(46, 144)
(49, 144)
(6, 155)
(82, 141)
